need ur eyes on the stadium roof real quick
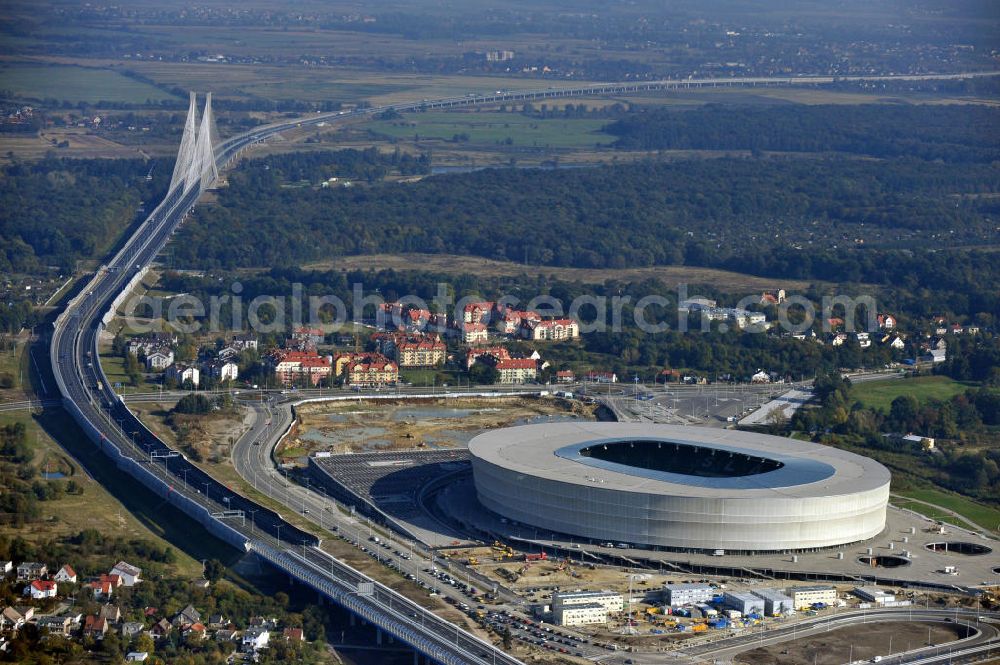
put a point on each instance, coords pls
(552, 451)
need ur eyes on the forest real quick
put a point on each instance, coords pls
(59, 211)
(956, 133)
(967, 461)
(838, 219)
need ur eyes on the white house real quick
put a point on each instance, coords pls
(40, 589)
(223, 370)
(182, 373)
(6, 567)
(128, 573)
(159, 359)
(255, 638)
(65, 574)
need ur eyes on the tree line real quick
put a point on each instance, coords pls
(951, 133)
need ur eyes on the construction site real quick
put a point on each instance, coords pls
(369, 426)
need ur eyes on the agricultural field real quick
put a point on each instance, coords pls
(493, 128)
(319, 84)
(67, 83)
(879, 394)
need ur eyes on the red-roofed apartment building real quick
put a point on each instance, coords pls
(550, 329)
(294, 366)
(373, 370)
(517, 370)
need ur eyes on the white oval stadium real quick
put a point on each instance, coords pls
(676, 487)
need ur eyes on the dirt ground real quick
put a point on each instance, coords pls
(344, 427)
(835, 647)
(209, 437)
(447, 263)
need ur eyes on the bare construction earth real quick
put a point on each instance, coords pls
(833, 648)
(370, 426)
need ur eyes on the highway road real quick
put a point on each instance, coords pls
(985, 634)
(89, 396)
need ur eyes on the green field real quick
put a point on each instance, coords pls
(879, 394)
(984, 516)
(75, 84)
(494, 128)
(114, 368)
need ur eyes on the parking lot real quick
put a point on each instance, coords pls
(391, 482)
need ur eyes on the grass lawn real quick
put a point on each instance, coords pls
(985, 516)
(879, 394)
(494, 128)
(421, 376)
(75, 84)
(95, 508)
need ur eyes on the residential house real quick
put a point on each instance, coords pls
(186, 617)
(489, 353)
(217, 621)
(886, 321)
(159, 359)
(197, 629)
(602, 377)
(255, 638)
(95, 626)
(293, 635)
(772, 297)
(151, 342)
(226, 635)
(40, 589)
(136, 657)
(130, 629)
(244, 341)
(222, 370)
(893, 341)
(863, 339)
(6, 567)
(182, 373)
(102, 588)
(565, 376)
(11, 619)
(111, 613)
(474, 333)
(417, 319)
(56, 625)
(517, 370)
(31, 570)
(477, 312)
(160, 629)
(65, 574)
(128, 573)
(551, 329)
(311, 336)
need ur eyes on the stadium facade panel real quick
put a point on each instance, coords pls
(679, 487)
